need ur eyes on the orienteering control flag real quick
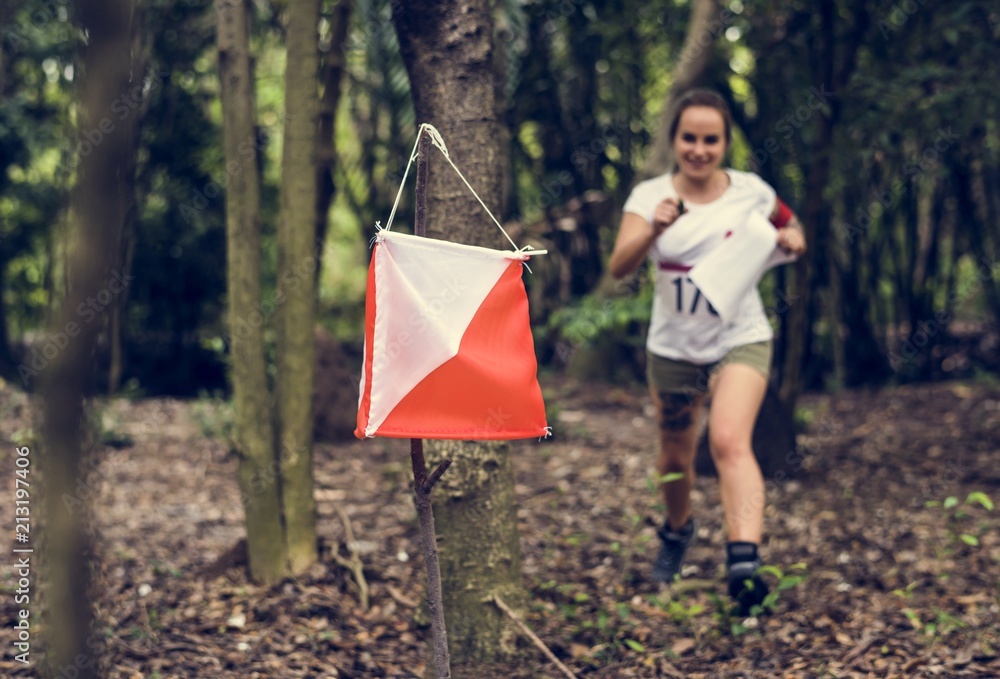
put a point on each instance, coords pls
(448, 347)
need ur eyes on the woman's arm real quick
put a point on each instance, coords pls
(791, 235)
(636, 237)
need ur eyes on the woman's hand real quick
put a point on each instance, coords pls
(792, 240)
(666, 213)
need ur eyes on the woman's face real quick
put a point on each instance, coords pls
(700, 142)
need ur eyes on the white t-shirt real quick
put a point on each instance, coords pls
(684, 325)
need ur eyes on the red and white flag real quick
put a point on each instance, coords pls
(448, 347)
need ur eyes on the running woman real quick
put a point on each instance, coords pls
(699, 368)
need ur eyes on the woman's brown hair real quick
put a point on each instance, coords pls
(700, 97)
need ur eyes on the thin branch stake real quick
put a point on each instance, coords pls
(422, 483)
(534, 638)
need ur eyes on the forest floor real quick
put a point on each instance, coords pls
(893, 587)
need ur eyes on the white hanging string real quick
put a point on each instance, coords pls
(437, 141)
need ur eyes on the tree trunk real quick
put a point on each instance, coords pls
(447, 49)
(690, 68)
(68, 613)
(124, 242)
(297, 285)
(326, 147)
(816, 214)
(259, 481)
(479, 550)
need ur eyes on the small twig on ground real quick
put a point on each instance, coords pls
(855, 653)
(354, 564)
(913, 662)
(534, 638)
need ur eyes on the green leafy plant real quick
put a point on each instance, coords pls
(936, 623)
(796, 574)
(215, 417)
(679, 610)
(785, 581)
(963, 525)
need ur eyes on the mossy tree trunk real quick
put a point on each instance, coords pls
(448, 51)
(478, 549)
(258, 477)
(297, 263)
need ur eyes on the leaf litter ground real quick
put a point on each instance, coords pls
(899, 580)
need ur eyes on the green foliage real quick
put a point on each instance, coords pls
(215, 417)
(966, 521)
(936, 623)
(621, 320)
(783, 581)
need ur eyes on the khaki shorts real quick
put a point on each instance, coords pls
(667, 376)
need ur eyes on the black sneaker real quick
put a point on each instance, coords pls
(668, 562)
(746, 587)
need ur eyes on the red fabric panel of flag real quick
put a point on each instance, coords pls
(448, 346)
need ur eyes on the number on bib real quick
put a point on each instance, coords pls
(682, 282)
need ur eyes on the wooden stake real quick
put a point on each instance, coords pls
(423, 483)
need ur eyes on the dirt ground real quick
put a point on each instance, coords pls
(890, 586)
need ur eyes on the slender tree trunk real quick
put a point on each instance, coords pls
(124, 242)
(259, 482)
(8, 367)
(695, 57)
(982, 234)
(326, 153)
(68, 613)
(447, 50)
(297, 285)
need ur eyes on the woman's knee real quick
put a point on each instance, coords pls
(728, 445)
(675, 456)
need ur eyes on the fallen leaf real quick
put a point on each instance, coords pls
(682, 646)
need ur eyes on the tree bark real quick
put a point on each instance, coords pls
(297, 264)
(124, 242)
(258, 477)
(816, 214)
(690, 68)
(326, 146)
(68, 614)
(447, 49)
